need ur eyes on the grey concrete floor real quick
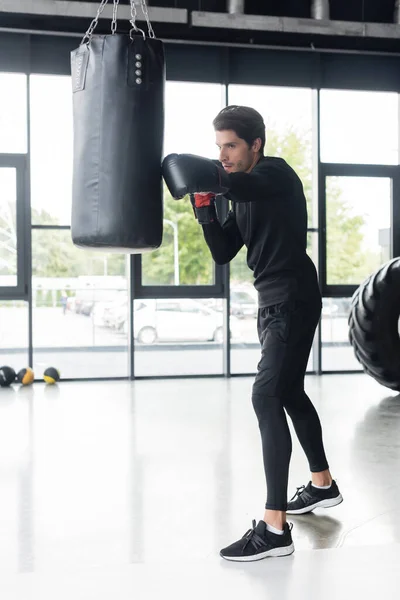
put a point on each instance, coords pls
(118, 489)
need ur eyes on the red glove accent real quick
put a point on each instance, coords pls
(201, 200)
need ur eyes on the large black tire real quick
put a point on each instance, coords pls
(374, 325)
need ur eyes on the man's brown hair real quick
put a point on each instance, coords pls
(246, 122)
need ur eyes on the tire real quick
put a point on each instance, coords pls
(374, 325)
(147, 335)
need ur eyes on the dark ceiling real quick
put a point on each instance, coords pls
(365, 11)
(373, 11)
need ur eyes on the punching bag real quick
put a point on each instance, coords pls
(118, 117)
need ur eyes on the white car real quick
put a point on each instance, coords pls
(177, 320)
(243, 304)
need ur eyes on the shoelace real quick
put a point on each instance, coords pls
(253, 538)
(298, 493)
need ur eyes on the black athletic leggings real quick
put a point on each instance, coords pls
(286, 333)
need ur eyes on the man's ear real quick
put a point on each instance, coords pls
(257, 145)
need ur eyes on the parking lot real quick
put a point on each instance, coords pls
(80, 348)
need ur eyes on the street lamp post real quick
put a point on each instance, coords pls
(176, 250)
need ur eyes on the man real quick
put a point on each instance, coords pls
(269, 216)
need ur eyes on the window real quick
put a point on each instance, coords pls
(8, 227)
(178, 337)
(80, 303)
(13, 113)
(51, 149)
(337, 353)
(14, 334)
(359, 127)
(184, 258)
(358, 227)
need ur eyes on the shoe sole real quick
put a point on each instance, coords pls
(321, 504)
(275, 552)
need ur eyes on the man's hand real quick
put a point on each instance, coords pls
(204, 207)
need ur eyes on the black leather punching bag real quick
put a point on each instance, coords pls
(118, 114)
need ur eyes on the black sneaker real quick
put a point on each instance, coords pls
(308, 498)
(259, 543)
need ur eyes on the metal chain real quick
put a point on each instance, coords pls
(94, 23)
(88, 35)
(133, 21)
(146, 14)
(114, 18)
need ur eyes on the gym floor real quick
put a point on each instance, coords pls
(128, 490)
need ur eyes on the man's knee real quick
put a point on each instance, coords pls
(266, 405)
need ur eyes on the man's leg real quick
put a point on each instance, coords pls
(286, 333)
(321, 491)
(297, 404)
(272, 535)
(267, 397)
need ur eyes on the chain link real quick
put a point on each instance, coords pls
(88, 35)
(114, 19)
(133, 21)
(94, 23)
(146, 14)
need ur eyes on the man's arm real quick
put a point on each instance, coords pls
(260, 184)
(223, 240)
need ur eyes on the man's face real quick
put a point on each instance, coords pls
(234, 153)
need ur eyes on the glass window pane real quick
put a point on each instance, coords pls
(358, 227)
(337, 352)
(8, 227)
(13, 113)
(190, 109)
(184, 258)
(14, 334)
(80, 299)
(51, 149)
(359, 127)
(287, 114)
(178, 337)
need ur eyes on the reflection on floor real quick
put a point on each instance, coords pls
(118, 489)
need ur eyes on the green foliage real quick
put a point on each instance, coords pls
(295, 147)
(195, 263)
(54, 255)
(347, 261)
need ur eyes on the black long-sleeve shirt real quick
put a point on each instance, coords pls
(269, 217)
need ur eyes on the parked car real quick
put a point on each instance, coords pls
(112, 312)
(336, 307)
(243, 304)
(177, 320)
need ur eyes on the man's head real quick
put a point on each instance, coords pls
(240, 136)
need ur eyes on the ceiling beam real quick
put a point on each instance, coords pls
(294, 25)
(87, 10)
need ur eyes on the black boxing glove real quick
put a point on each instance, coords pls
(189, 174)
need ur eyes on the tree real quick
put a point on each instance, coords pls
(347, 261)
(54, 254)
(195, 262)
(8, 239)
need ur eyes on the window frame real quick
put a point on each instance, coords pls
(354, 170)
